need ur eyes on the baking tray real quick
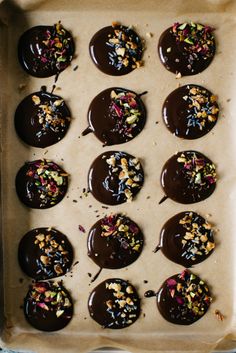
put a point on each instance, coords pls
(151, 333)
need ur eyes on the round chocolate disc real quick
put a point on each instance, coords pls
(41, 184)
(187, 239)
(45, 51)
(116, 115)
(114, 241)
(115, 177)
(188, 177)
(48, 306)
(45, 253)
(190, 111)
(114, 304)
(42, 119)
(187, 48)
(116, 50)
(183, 298)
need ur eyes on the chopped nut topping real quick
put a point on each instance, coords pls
(126, 48)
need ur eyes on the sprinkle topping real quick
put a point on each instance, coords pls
(202, 107)
(49, 297)
(54, 258)
(198, 238)
(126, 48)
(125, 110)
(195, 39)
(123, 305)
(123, 229)
(129, 174)
(48, 179)
(190, 293)
(49, 115)
(56, 48)
(200, 173)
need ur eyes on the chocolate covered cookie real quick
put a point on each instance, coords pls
(187, 48)
(187, 239)
(42, 119)
(190, 111)
(114, 304)
(188, 177)
(115, 177)
(116, 50)
(45, 253)
(183, 298)
(116, 115)
(48, 306)
(114, 241)
(45, 51)
(41, 184)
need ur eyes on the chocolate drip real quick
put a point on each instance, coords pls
(39, 52)
(110, 128)
(190, 111)
(188, 177)
(114, 242)
(42, 119)
(114, 304)
(107, 184)
(186, 239)
(183, 299)
(45, 253)
(104, 55)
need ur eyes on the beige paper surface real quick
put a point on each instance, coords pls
(153, 146)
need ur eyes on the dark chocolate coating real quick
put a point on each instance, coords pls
(31, 50)
(173, 233)
(168, 59)
(179, 186)
(29, 192)
(105, 185)
(115, 250)
(173, 305)
(29, 254)
(28, 115)
(177, 114)
(100, 52)
(112, 317)
(104, 124)
(47, 320)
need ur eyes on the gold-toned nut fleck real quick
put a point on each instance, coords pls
(36, 99)
(129, 290)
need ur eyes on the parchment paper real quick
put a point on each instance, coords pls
(151, 333)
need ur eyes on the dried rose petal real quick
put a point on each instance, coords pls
(180, 300)
(171, 282)
(81, 228)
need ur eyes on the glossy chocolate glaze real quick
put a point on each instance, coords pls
(187, 239)
(101, 52)
(180, 114)
(41, 311)
(42, 119)
(106, 185)
(180, 182)
(114, 304)
(29, 186)
(114, 241)
(105, 123)
(39, 59)
(178, 60)
(177, 305)
(45, 253)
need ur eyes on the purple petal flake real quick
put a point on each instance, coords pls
(171, 282)
(180, 300)
(81, 228)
